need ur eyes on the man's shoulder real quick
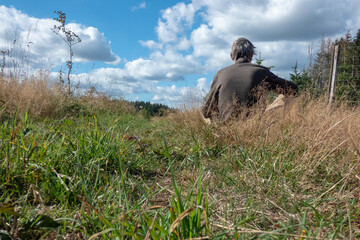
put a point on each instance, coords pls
(247, 67)
(255, 66)
(244, 67)
(221, 71)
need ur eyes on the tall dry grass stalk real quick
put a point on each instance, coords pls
(30, 95)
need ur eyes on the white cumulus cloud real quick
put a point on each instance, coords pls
(33, 38)
(174, 20)
(178, 95)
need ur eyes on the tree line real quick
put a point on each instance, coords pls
(315, 78)
(151, 109)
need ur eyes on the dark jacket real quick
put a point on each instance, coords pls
(234, 87)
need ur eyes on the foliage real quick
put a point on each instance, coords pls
(302, 79)
(260, 60)
(347, 87)
(348, 78)
(151, 109)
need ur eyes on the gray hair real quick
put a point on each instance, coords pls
(242, 48)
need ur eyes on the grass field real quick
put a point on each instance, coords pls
(88, 169)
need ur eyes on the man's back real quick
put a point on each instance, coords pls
(232, 87)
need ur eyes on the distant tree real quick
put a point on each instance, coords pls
(348, 78)
(151, 109)
(302, 79)
(316, 78)
(320, 70)
(70, 38)
(259, 61)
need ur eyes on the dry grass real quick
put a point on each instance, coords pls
(305, 152)
(100, 102)
(32, 95)
(35, 97)
(323, 130)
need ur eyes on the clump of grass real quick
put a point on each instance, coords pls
(90, 177)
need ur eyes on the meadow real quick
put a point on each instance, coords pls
(89, 167)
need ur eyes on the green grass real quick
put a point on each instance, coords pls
(128, 177)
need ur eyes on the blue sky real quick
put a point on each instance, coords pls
(167, 51)
(123, 23)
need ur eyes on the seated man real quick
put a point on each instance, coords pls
(234, 86)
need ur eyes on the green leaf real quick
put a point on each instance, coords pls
(42, 222)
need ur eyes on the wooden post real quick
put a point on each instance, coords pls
(334, 62)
